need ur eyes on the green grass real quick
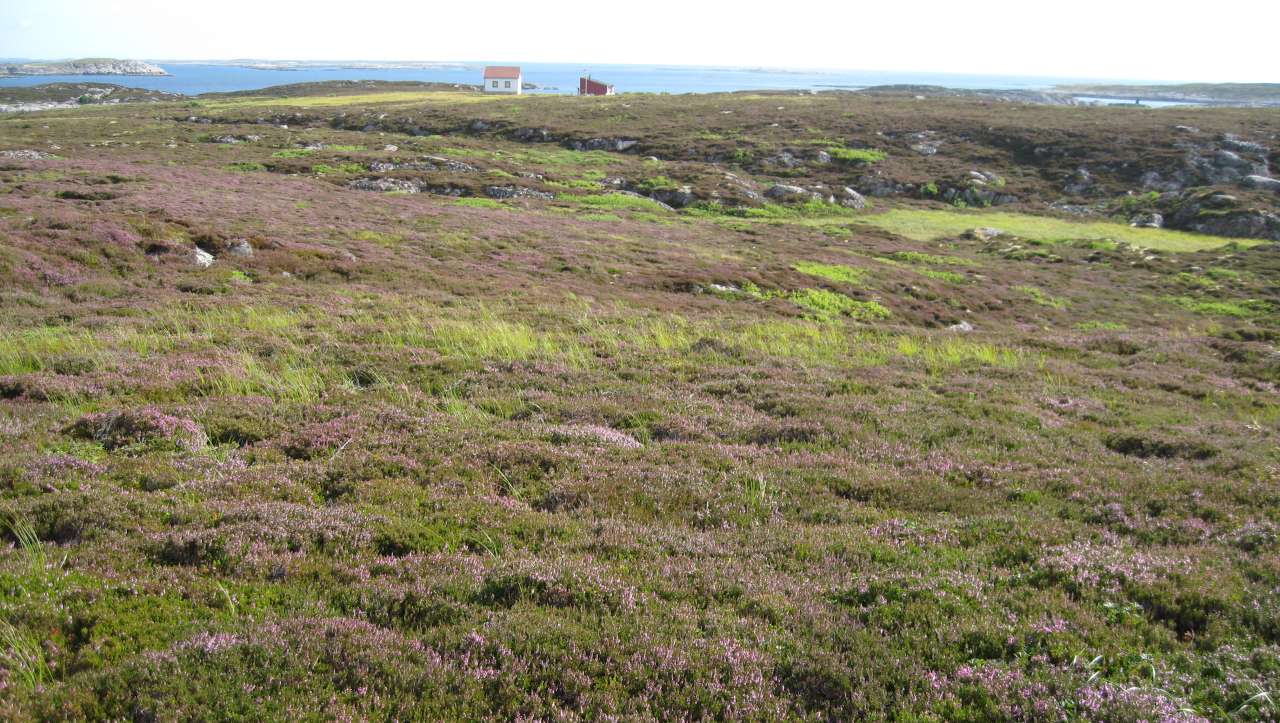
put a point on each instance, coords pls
(920, 258)
(932, 225)
(349, 167)
(619, 201)
(1042, 298)
(832, 272)
(950, 277)
(1237, 309)
(1101, 326)
(857, 156)
(478, 203)
(293, 153)
(826, 304)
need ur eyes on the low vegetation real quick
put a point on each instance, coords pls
(386, 415)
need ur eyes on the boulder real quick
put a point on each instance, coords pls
(1239, 145)
(853, 199)
(1262, 183)
(784, 192)
(984, 233)
(531, 135)
(963, 327)
(202, 258)
(505, 192)
(240, 247)
(1230, 159)
(384, 185)
(26, 155)
(1147, 220)
(1081, 182)
(785, 159)
(674, 197)
(822, 158)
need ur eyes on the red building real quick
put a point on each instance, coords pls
(587, 86)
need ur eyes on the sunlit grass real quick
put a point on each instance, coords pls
(931, 225)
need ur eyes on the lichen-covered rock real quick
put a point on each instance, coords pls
(384, 185)
(786, 192)
(1147, 220)
(138, 426)
(26, 155)
(516, 192)
(674, 197)
(1262, 183)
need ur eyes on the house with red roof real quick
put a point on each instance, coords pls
(503, 79)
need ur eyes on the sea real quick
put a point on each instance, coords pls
(191, 78)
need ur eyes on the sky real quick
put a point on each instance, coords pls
(1172, 40)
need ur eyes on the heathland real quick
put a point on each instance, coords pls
(373, 401)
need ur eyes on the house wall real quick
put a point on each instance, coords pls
(515, 89)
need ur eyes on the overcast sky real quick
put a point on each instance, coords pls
(1127, 39)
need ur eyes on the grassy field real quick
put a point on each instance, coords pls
(341, 412)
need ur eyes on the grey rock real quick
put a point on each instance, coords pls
(202, 258)
(1229, 159)
(516, 192)
(240, 247)
(1186, 129)
(1262, 183)
(674, 197)
(853, 199)
(390, 148)
(1235, 143)
(384, 185)
(784, 192)
(822, 158)
(984, 233)
(1081, 182)
(1147, 220)
(26, 155)
(452, 165)
(786, 159)
(925, 149)
(963, 327)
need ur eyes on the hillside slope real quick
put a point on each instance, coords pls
(405, 404)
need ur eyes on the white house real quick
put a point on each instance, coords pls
(503, 79)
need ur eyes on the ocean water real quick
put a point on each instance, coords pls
(196, 78)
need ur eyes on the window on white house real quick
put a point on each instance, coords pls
(495, 84)
(508, 84)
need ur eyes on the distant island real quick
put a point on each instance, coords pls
(83, 66)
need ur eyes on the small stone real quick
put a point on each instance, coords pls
(963, 327)
(984, 233)
(202, 258)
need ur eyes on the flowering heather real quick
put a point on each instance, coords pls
(528, 454)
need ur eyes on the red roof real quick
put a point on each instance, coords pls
(508, 72)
